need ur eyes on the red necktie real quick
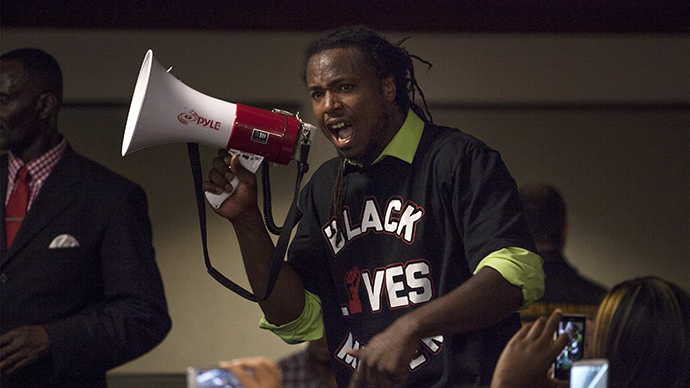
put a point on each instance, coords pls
(16, 206)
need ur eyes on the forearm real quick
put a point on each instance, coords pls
(481, 301)
(287, 299)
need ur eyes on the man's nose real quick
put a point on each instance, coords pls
(331, 102)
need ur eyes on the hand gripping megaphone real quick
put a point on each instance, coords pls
(165, 110)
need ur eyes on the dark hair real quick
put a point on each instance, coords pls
(382, 56)
(41, 65)
(545, 213)
(643, 329)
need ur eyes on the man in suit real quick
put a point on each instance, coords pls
(80, 290)
(565, 288)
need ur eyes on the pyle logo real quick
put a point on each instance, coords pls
(193, 118)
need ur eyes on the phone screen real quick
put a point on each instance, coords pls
(212, 378)
(589, 374)
(574, 326)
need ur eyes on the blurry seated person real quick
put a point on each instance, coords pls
(309, 368)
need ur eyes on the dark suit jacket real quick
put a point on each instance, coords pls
(101, 302)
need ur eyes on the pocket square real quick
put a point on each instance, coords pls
(64, 241)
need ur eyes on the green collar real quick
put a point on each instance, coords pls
(404, 144)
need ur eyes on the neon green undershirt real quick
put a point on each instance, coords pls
(518, 266)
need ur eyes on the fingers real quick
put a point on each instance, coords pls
(220, 175)
(537, 329)
(354, 353)
(254, 363)
(560, 343)
(357, 379)
(552, 324)
(22, 347)
(227, 167)
(255, 372)
(14, 363)
(554, 319)
(542, 329)
(522, 333)
(375, 375)
(237, 169)
(242, 375)
(8, 345)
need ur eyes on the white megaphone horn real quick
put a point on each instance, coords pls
(165, 110)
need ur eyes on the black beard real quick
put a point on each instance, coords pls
(380, 139)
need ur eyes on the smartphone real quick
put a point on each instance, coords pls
(211, 378)
(574, 326)
(592, 373)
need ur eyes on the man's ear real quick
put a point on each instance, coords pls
(389, 90)
(47, 105)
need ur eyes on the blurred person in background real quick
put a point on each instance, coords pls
(564, 287)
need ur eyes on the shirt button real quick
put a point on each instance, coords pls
(3, 278)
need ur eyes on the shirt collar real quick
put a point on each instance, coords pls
(404, 144)
(39, 169)
(43, 162)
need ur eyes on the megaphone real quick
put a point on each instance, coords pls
(165, 110)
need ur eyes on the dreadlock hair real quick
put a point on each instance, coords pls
(386, 59)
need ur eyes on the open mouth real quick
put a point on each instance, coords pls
(341, 131)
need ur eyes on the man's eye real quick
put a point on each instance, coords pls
(346, 88)
(316, 95)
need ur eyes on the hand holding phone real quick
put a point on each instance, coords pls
(525, 360)
(255, 372)
(212, 378)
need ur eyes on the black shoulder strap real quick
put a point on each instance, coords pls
(281, 247)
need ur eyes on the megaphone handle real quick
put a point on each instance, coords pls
(250, 162)
(216, 200)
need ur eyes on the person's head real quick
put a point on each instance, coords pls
(545, 213)
(30, 97)
(642, 328)
(360, 87)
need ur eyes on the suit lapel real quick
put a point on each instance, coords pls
(58, 191)
(3, 194)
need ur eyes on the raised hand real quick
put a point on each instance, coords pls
(526, 359)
